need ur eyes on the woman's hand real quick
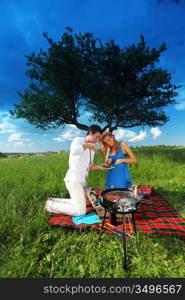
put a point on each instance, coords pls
(119, 161)
(108, 161)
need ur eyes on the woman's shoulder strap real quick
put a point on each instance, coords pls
(122, 146)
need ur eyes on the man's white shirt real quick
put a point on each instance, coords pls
(79, 160)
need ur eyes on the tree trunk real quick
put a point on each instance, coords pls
(81, 126)
(113, 128)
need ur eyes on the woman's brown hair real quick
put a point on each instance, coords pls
(105, 148)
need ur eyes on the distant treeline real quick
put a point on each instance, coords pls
(15, 154)
(157, 147)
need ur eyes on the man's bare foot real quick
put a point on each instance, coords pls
(45, 207)
(46, 204)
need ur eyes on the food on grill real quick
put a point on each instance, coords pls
(119, 201)
(115, 195)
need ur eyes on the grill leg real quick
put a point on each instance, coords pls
(113, 219)
(133, 221)
(103, 223)
(124, 243)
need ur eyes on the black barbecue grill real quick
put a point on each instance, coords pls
(119, 201)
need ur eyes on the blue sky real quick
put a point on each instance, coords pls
(22, 24)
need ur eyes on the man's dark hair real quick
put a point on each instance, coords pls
(94, 129)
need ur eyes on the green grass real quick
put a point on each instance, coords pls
(29, 247)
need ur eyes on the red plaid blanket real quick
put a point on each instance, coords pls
(154, 215)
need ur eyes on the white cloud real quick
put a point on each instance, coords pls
(58, 139)
(140, 137)
(122, 134)
(71, 132)
(17, 140)
(10, 125)
(156, 132)
(5, 125)
(19, 144)
(15, 137)
(131, 136)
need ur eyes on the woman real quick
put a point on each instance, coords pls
(118, 155)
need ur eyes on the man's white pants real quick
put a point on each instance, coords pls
(75, 206)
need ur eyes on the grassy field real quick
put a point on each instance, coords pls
(29, 247)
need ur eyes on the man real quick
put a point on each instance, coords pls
(80, 162)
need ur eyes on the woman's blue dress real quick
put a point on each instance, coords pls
(119, 176)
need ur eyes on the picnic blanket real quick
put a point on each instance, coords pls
(154, 216)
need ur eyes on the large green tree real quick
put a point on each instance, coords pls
(120, 87)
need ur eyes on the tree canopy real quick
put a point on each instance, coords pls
(120, 87)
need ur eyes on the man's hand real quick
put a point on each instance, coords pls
(101, 167)
(96, 167)
(90, 146)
